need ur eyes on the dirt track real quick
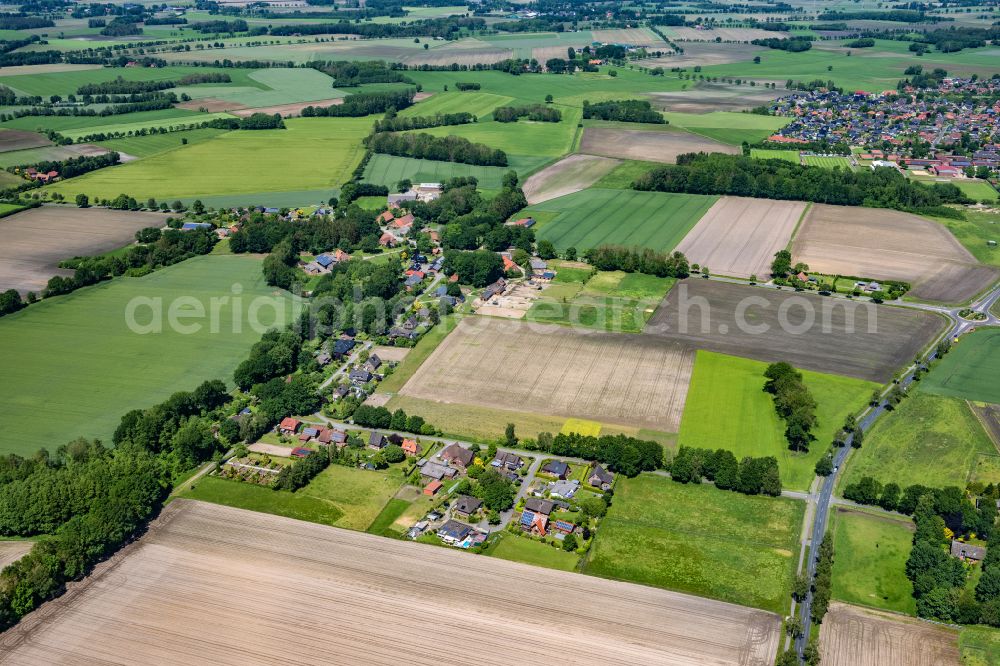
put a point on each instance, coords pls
(212, 584)
(558, 371)
(853, 636)
(881, 339)
(739, 236)
(654, 146)
(33, 242)
(568, 175)
(890, 245)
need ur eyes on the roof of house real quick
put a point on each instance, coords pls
(542, 506)
(300, 452)
(601, 474)
(432, 487)
(361, 375)
(967, 550)
(436, 471)
(557, 467)
(454, 530)
(374, 361)
(504, 458)
(288, 423)
(410, 446)
(376, 439)
(564, 488)
(466, 504)
(324, 260)
(457, 453)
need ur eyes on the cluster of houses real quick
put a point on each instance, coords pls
(41, 176)
(939, 117)
(396, 222)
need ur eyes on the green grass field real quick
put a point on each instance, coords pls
(153, 144)
(270, 87)
(529, 551)
(832, 162)
(975, 232)
(388, 170)
(358, 494)
(623, 175)
(389, 514)
(133, 127)
(869, 568)
(727, 126)
(727, 408)
(313, 153)
(768, 154)
(979, 646)
(927, 439)
(597, 216)
(477, 103)
(971, 370)
(612, 301)
(265, 500)
(76, 124)
(65, 83)
(976, 189)
(73, 367)
(701, 540)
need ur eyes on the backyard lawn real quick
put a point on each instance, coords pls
(530, 551)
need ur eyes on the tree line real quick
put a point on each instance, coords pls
(619, 453)
(536, 112)
(255, 121)
(91, 500)
(349, 74)
(700, 173)
(750, 476)
(380, 417)
(443, 27)
(793, 402)
(430, 147)
(74, 166)
(24, 22)
(393, 123)
(624, 110)
(793, 45)
(638, 260)
(364, 104)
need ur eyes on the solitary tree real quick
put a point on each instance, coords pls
(83, 201)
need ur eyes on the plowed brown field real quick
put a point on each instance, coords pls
(853, 636)
(655, 146)
(558, 371)
(215, 585)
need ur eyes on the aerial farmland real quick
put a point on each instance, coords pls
(512, 333)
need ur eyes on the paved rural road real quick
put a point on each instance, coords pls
(825, 497)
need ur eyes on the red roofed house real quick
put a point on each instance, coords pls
(288, 426)
(299, 452)
(387, 240)
(432, 488)
(435, 236)
(508, 263)
(410, 447)
(385, 217)
(402, 222)
(802, 277)
(945, 170)
(340, 255)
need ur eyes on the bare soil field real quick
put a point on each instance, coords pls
(391, 353)
(809, 331)
(727, 34)
(12, 139)
(739, 236)
(271, 449)
(12, 551)
(633, 36)
(568, 175)
(706, 98)
(989, 416)
(33, 242)
(853, 636)
(287, 110)
(656, 146)
(51, 68)
(705, 53)
(554, 370)
(227, 586)
(890, 245)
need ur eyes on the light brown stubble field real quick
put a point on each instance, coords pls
(33, 242)
(890, 245)
(568, 175)
(554, 370)
(652, 146)
(739, 236)
(853, 636)
(213, 584)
